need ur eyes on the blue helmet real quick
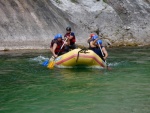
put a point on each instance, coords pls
(58, 36)
(99, 42)
(94, 37)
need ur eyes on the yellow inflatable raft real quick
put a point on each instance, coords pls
(80, 57)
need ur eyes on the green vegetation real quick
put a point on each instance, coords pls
(104, 1)
(58, 1)
(74, 1)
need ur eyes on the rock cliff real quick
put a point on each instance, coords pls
(32, 24)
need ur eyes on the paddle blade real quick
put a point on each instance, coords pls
(51, 65)
(109, 68)
(45, 63)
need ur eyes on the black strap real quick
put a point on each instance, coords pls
(84, 50)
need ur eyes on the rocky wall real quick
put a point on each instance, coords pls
(32, 24)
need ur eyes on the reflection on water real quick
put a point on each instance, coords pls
(28, 87)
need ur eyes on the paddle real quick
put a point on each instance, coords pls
(52, 63)
(103, 56)
(45, 63)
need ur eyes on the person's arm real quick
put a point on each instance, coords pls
(53, 50)
(71, 35)
(66, 41)
(105, 53)
(92, 44)
(51, 46)
(88, 39)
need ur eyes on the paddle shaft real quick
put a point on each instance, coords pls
(103, 56)
(101, 52)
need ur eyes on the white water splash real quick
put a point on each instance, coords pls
(40, 59)
(115, 64)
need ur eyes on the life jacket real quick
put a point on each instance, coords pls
(59, 45)
(73, 40)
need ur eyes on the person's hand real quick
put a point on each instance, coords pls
(69, 37)
(96, 39)
(104, 58)
(55, 56)
(65, 43)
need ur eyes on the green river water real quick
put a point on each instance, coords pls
(28, 87)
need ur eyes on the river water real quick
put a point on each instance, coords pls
(28, 87)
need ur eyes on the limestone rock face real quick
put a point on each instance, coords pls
(32, 24)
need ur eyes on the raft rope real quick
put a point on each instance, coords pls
(84, 50)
